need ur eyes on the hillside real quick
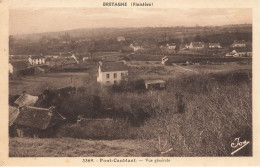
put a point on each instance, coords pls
(135, 33)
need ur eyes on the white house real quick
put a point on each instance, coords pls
(120, 39)
(36, 60)
(11, 68)
(85, 58)
(239, 44)
(110, 73)
(240, 53)
(214, 45)
(135, 47)
(196, 45)
(171, 46)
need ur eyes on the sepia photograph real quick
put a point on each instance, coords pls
(130, 82)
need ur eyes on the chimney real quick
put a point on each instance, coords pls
(100, 63)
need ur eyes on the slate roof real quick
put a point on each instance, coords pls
(135, 45)
(20, 65)
(171, 44)
(26, 100)
(197, 44)
(38, 118)
(214, 44)
(69, 61)
(157, 81)
(62, 61)
(37, 57)
(239, 42)
(243, 50)
(13, 113)
(113, 66)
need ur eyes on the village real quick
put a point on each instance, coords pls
(117, 87)
(109, 73)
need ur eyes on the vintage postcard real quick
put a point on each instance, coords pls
(132, 83)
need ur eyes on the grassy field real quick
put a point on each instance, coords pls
(35, 84)
(68, 147)
(155, 70)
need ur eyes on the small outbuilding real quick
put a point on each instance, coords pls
(34, 121)
(26, 100)
(18, 67)
(155, 84)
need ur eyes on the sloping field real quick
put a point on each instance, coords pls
(68, 147)
(35, 84)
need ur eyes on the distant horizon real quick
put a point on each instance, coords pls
(25, 21)
(129, 28)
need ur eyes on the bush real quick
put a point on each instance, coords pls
(132, 85)
(216, 112)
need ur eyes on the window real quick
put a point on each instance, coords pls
(115, 75)
(107, 76)
(115, 82)
(122, 74)
(108, 82)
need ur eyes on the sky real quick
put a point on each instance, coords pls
(37, 20)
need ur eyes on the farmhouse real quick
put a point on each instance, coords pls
(240, 53)
(136, 47)
(18, 67)
(171, 46)
(39, 70)
(51, 56)
(36, 60)
(214, 45)
(239, 44)
(69, 62)
(196, 45)
(33, 121)
(156, 84)
(26, 100)
(112, 72)
(85, 58)
(62, 62)
(120, 39)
